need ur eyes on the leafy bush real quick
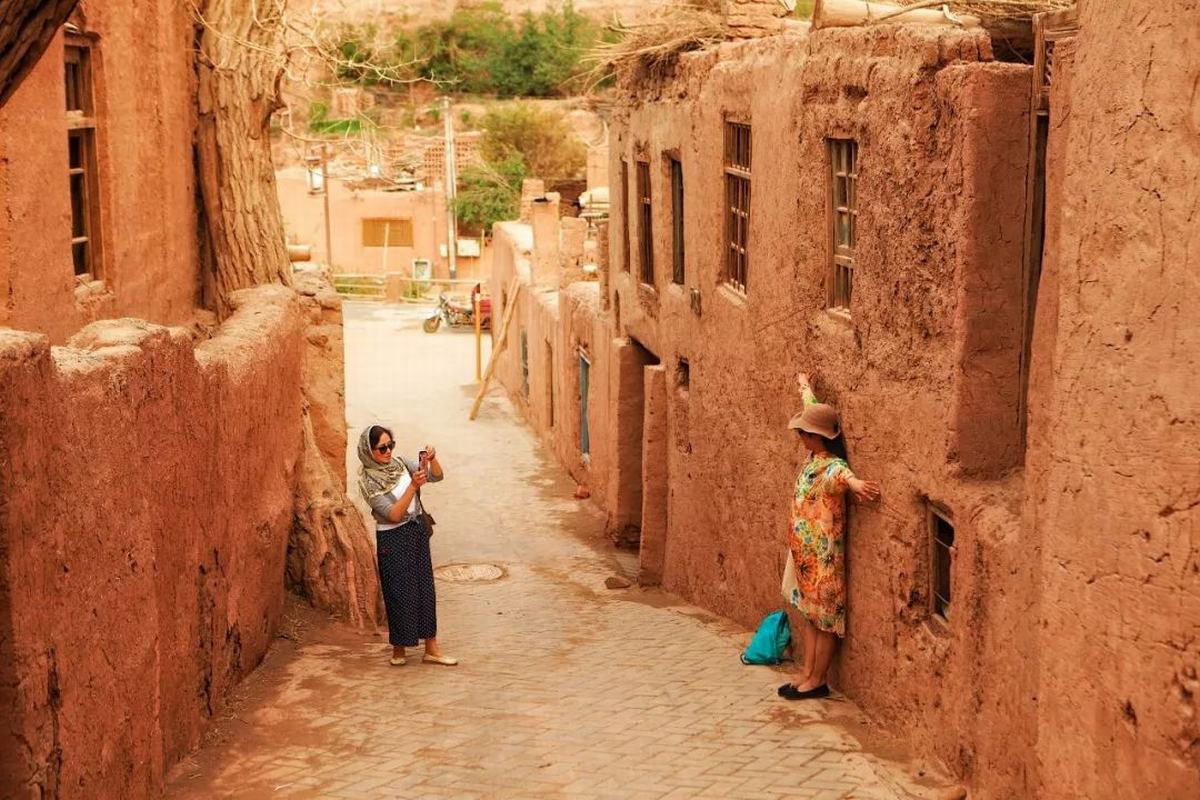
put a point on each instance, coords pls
(480, 49)
(490, 193)
(519, 141)
(540, 137)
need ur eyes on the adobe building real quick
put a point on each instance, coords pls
(144, 530)
(989, 268)
(375, 231)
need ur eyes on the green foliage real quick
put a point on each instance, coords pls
(540, 137)
(804, 8)
(480, 49)
(519, 141)
(490, 193)
(543, 57)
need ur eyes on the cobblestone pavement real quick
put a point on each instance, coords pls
(566, 689)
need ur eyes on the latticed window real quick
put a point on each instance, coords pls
(81, 157)
(677, 251)
(645, 223)
(737, 203)
(843, 187)
(387, 233)
(941, 533)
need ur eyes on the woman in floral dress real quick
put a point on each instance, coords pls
(814, 581)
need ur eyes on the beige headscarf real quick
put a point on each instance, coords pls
(374, 478)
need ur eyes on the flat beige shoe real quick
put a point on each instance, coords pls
(398, 662)
(443, 660)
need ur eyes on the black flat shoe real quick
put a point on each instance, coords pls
(792, 693)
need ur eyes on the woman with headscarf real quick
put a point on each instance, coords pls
(392, 488)
(814, 580)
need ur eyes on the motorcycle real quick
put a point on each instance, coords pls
(458, 312)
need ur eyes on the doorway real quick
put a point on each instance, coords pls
(625, 521)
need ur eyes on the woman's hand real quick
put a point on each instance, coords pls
(803, 382)
(864, 491)
(430, 453)
(420, 478)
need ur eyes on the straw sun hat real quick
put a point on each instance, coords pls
(817, 418)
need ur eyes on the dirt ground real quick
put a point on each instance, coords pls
(565, 688)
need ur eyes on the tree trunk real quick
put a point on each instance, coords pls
(26, 29)
(239, 65)
(330, 561)
(240, 57)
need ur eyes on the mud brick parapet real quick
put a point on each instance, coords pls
(145, 503)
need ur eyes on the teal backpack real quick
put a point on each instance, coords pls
(770, 640)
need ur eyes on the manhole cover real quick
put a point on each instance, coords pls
(465, 573)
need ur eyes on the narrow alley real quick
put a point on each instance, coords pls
(565, 688)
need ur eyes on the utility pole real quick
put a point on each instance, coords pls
(325, 199)
(451, 191)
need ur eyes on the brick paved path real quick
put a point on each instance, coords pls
(566, 689)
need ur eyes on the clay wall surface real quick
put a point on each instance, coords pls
(1114, 417)
(143, 74)
(146, 498)
(924, 368)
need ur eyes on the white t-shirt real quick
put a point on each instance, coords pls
(394, 494)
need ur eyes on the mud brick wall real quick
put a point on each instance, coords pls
(1114, 429)
(925, 369)
(146, 491)
(145, 187)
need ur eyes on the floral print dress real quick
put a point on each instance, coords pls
(815, 579)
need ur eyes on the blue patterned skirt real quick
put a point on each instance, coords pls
(406, 578)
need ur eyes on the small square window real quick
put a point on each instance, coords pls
(683, 374)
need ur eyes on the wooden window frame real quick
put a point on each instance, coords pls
(645, 228)
(678, 263)
(843, 205)
(737, 165)
(387, 225)
(82, 163)
(940, 607)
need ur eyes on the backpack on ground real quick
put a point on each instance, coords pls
(772, 638)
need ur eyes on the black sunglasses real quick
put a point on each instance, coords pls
(386, 448)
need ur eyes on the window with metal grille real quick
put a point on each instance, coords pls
(645, 223)
(843, 204)
(737, 204)
(677, 275)
(387, 233)
(626, 256)
(81, 157)
(941, 535)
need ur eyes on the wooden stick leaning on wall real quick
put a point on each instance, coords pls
(514, 289)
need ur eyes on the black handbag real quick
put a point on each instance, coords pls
(426, 518)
